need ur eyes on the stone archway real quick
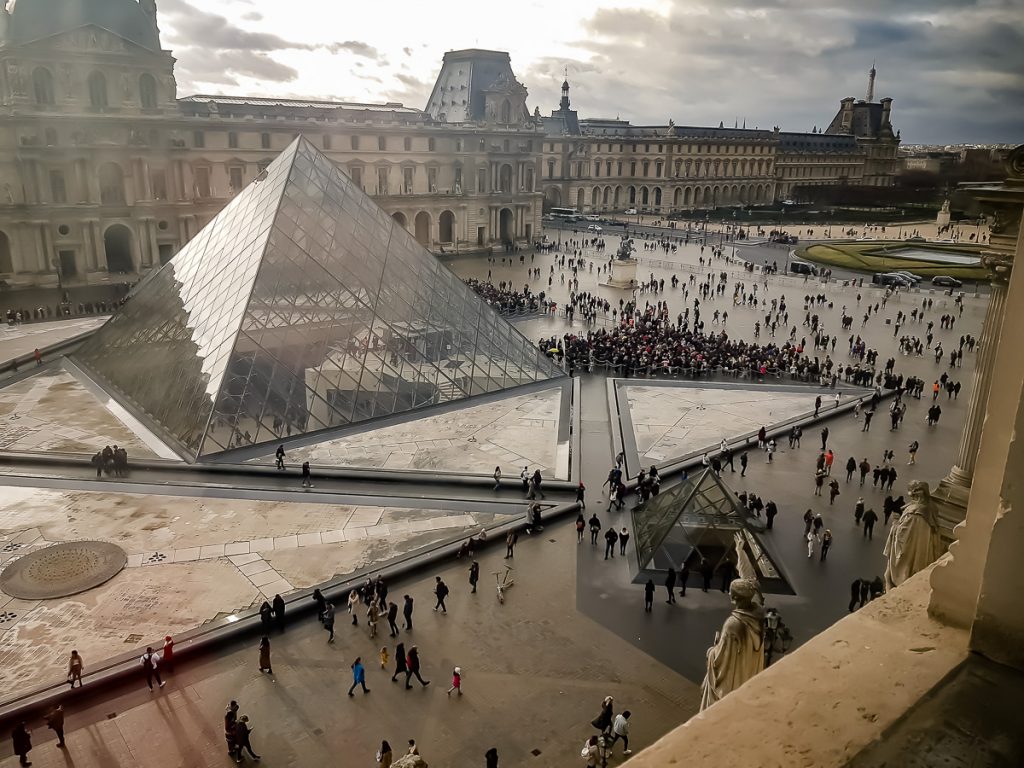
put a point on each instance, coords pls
(117, 247)
(506, 225)
(552, 197)
(6, 260)
(581, 199)
(399, 217)
(446, 227)
(422, 225)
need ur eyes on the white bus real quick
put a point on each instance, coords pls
(564, 214)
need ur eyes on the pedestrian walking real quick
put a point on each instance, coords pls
(743, 464)
(413, 668)
(819, 480)
(670, 585)
(265, 655)
(243, 736)
(497, 478)
(384, 755)
(372, 617)
(230, 721)
(21, 739)
(279, 457)
(912, 449)
(491, 758)
(440, 592)
(833, 491)
(817, 405)
(321, 605)
(864, 467)
(610, 539)
(75, 668)
(623, 541)
(407, 611)
(456, 681)
(353, 606)
(278, 606)
(868, 415)
(620, 730)
(706, 571)
(266, 617)
(648, 595)
(358, 676)
(400, 662)
(771, 509)
(383, 654)
(858, 511)
(510, 544)
(595, 528)
(55, 722)
(851, 467)
(329, 621)
(149, 663)
(824, 438)
(603, 722)
(581, 491)
(869, 523)
(826, 544)
(474, 575)
(392, 620)
(307, 480)
(581, 524)
(810, 545)
(808, 521)
(524, 477)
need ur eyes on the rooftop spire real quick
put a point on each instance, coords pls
(871, 83)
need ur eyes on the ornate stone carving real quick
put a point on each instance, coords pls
(16, 78)
(1015, 163)
(913, 542)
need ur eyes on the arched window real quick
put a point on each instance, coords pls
(111, 184)
(147, 91)
(42, 85)
(6, 262)
(98, 90)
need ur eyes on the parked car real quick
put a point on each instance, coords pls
(802, 267)
(945, 281)
(631, 211)
(594, 228)
(916, 239)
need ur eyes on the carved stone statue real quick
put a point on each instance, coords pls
(16, 78)
(913, 542)
(625, 252)
(738, 652)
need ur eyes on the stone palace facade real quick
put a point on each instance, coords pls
(105, 172)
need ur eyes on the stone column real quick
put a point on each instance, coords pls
(983, 562)
(1007, 203)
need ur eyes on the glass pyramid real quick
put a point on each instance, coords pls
(300, 307)
(698, 519)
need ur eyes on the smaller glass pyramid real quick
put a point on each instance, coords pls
(698, 519)
(302, 306)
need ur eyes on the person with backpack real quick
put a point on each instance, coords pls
(595, 528)
(581, 524)
(441, 592)
(149, 662)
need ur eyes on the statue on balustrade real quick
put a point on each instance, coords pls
(738, 652)
(913, 542)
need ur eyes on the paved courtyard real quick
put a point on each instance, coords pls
(573, 628)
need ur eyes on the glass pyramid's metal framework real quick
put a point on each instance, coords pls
(698, 519)
(300, 307)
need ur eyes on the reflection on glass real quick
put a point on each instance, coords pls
(301, 306)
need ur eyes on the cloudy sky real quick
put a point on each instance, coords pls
(955, 68)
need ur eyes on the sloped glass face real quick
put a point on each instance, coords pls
(298, 311)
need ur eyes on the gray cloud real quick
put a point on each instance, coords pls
(955, 68)
(356, 47)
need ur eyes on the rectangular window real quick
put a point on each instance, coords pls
(408, 144)
(201, 176)
(327, 141)
(158, 184)
(382, 143)
(355, 142)
(431, 144)
(407, 181)
(265, 140)
(632, 167)
(458, 180)
(235, 178)
(618, 168)
(597, 169)
(481, 179)
(458, 145)
(483, 145)
(58, 191)
(232, 140)
(382, 181)
(198, 139)
(432, 179)
(657, 169)
(356, 173)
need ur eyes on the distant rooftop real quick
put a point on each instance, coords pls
(257, 101)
